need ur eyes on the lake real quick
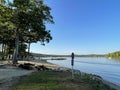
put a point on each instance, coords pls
(108, 69)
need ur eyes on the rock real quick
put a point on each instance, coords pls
(26, 66)
(42, 67)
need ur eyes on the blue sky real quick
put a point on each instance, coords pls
(83, 27)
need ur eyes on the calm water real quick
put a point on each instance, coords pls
(108, 69)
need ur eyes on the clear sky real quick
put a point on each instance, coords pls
(83, 27)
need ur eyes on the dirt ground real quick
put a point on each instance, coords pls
(8, 73)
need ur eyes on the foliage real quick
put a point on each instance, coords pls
(114, 54)
(24, 21)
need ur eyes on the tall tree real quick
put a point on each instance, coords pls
(5, 24)
(31, 16)
(24, 18)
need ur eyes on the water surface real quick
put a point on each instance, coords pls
(108, 69)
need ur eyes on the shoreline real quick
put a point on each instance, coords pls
(112, 85)
(52, 67)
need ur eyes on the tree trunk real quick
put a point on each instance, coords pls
(29, 51)
(15, 58)
(3, 50)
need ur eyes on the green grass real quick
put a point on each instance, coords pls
(52, 80)
(58, 58)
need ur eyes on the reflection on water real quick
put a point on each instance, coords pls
(109, 69)
(115, 59)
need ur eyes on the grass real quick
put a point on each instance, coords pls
(58, 58)
(53, 80)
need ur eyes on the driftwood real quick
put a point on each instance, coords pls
(29, 66)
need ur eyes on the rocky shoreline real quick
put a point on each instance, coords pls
(8, 72)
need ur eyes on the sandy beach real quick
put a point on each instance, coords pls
(8, 73)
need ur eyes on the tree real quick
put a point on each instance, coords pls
(28, 17)
(5, 25)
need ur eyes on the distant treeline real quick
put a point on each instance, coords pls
(114, 54)
(91, 55)
(53, 55)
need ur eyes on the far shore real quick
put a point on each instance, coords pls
(11, 74)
